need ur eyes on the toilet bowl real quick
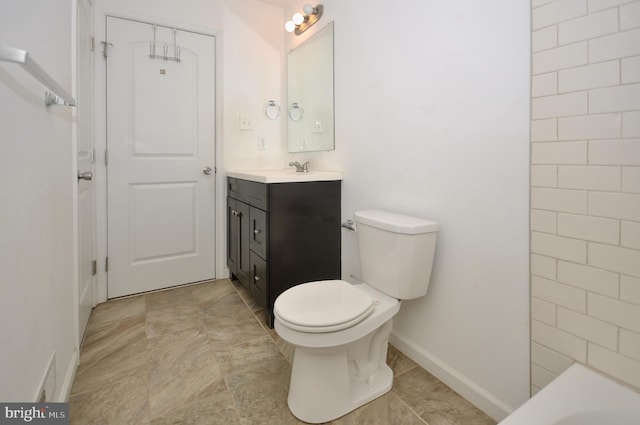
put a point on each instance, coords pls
(336, 371)
(340, 330)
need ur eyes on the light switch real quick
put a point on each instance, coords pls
(245, 122)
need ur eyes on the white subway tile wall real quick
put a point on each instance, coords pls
(585, 188)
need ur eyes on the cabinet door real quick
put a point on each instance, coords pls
(232, 236)
(259, 232)
(259, 281)
(244, 237)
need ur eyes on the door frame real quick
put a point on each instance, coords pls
(90, 293)
(101, 13)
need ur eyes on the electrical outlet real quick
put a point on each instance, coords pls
(262, 143)
(316, 127)
(245, 122)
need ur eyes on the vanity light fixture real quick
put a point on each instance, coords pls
(300, 23)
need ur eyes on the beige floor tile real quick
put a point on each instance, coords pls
(182, 369)
(110, 351)
(123, 402)
(201, 355)
(398, 362)
(217, 409)
(260, 393)
(172, 319)
(247, 355)
(246, 296)
(229, 322)
(386, 410)
(210, 292)
(114, 310)
(434, 402)
(169, 298)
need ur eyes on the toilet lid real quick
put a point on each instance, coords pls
(323, 306)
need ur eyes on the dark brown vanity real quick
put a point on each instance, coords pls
(282, 233)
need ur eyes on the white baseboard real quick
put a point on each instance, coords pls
(48, 381)
(69, 376)
(474, 393)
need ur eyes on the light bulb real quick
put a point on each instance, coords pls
(308, 9)
(290, 26)
(298, 18)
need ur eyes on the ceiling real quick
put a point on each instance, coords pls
(281, 3)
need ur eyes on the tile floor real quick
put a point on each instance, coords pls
(199, 355)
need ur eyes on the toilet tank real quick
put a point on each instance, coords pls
(396, 252)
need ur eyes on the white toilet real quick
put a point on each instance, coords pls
(340, 331)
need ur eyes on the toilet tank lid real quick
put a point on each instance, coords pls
(396, 223)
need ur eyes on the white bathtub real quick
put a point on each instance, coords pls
(579, 396)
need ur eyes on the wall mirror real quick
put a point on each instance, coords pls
(310, 94)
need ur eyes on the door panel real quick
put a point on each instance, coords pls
(160, 138)
(244, 230)
(150, 207)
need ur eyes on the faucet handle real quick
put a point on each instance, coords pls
(300, 168)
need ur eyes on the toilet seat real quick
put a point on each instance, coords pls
(323, 306)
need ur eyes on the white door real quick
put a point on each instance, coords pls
(85, 161)
(160, 151)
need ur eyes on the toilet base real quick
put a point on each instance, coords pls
(327, 383)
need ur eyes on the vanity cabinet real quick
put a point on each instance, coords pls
(282, 234)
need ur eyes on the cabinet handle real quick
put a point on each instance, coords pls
(234, 213)
(256, 278)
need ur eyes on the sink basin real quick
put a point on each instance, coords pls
(285, 175)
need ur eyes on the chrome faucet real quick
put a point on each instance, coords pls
(300, 168)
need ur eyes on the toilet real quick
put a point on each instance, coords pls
(340, 330)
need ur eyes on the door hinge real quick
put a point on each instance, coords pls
(106, 264)
(93, 45)
(106, 157)
(94, 267)
(105, 47)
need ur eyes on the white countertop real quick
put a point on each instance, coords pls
(285, 175)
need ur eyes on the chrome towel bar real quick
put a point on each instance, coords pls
(349, 224)
(57, 95)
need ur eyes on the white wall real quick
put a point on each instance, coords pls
(432, 110)
(585, 189)
(36, 194)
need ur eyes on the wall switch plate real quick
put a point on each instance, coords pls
(303, 144)
(245, 122)
(262, 143)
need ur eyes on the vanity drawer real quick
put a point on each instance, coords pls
(259, 279)
(253, 193)
(258, 232)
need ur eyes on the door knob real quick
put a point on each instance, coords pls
(87, 175)
(207, 170)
